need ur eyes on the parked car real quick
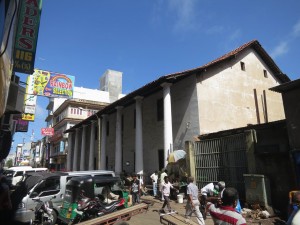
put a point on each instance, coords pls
(46, 186)
(15, 174)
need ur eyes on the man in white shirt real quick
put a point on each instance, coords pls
(210, 192)
(154, 178)
(162, 181)
(166, 193)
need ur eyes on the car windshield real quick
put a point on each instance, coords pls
(8, 173)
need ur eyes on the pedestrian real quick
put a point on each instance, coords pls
(141, 181)
(226, 213)
(211, 192)
(294, 207)
(154, 178)
(162, 181)
(166, 188)
(135, 190)
(193, 204)
(6, 211)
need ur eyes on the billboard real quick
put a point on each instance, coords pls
(52, 84)
(48, 131)
(21, 125)
(26, 35)
(29, 100)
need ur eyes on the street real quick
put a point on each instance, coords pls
(151, 217)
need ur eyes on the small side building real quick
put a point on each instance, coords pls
(290, 95)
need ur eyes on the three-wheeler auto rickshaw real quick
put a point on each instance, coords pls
(84, 189)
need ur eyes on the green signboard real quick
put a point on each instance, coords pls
(26, 35)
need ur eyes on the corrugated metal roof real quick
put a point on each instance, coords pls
(287, 86)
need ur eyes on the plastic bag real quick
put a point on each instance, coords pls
(238, 207)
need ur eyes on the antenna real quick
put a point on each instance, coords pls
(32, 136)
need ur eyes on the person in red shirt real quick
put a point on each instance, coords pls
(226, 213)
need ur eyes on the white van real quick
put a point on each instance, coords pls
(15, 174)
(50, 186)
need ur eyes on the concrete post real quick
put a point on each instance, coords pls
(92, 147)
(190, 159)
(70, 152)
(250, 148)
(168, 133)
(103, 143)
(83, 150)
(118, 152)
(139, 159)
(76, 147)
(99, 120)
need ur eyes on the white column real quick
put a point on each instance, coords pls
(118, 151)
(76, 147)
(139, 159)
(92, 147)
(168, 134)
(70, 152)
(83, 150)
(103, 142)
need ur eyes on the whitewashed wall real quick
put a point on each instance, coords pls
(226, 96)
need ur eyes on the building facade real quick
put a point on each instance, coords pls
(65, 113)
(141, 129)
(290, 94)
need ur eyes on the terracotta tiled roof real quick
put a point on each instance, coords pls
(255, 45)
(156, 84)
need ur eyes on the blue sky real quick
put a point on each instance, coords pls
(146, 39)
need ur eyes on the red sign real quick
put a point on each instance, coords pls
(47, 131)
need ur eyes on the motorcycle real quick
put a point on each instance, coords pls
(91, 208)
(110, 207)
(44, 213)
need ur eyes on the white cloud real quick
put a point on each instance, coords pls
(184, 13)
(40, 112)
(157, 12)
(235, 35)
(280, 49)
(296, 29)
(284, 46)
(215, 30)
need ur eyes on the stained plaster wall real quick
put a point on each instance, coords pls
(226, 94)
(185, 126)
(111, 141)
(185, 113)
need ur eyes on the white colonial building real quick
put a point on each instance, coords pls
(139, 130)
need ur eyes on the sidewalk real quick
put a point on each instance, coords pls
(151, 217)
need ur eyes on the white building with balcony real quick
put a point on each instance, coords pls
(65, 113)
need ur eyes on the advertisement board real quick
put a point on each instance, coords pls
(29, 100)
(52, 84)
(26, 35)
(61, 146)
(48, 131)
(21, 125)
(26, 152)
